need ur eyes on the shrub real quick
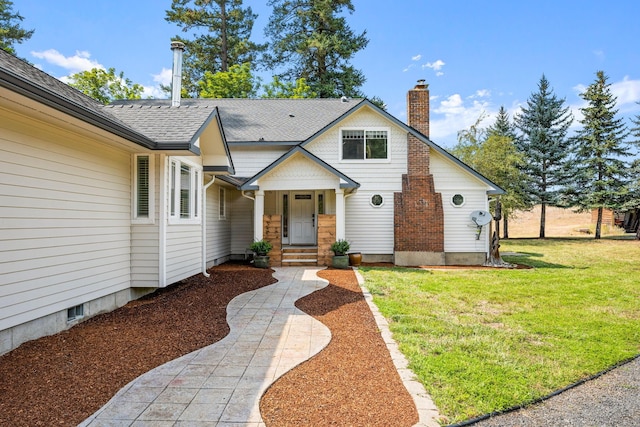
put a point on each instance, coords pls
(261, 247)
(340, 247)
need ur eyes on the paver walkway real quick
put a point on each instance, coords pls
(221, 385)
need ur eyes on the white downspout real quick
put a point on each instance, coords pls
(162, 232)
(204, 226)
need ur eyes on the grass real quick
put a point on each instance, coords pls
(485, 340)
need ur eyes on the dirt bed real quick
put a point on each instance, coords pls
(63, 379)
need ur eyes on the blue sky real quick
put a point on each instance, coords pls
(475, 55)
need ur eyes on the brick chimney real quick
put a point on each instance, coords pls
(418, 108)
(418, 118)
(418, 212)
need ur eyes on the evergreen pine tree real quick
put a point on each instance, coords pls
(221, 38)
(502, 125)
(602, 169)
(310, 40)
(543, 126)
(10, 30)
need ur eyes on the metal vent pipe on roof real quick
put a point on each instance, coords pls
(176, 76)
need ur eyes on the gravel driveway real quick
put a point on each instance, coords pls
(612, 399)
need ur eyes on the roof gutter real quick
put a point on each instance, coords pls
(46, 97)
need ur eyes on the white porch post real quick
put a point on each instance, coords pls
(258, 213)
(340, 214)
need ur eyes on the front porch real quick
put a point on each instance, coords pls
(284, 255)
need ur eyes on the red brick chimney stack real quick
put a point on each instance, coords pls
(418, 118)
(418, 212)
(418, 108)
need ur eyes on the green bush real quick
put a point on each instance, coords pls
(261, 247)
(340, 247)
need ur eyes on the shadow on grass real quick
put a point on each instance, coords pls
(529, 259)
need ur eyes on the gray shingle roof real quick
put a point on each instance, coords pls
(269, 120)
(21, 77)
(164, 124)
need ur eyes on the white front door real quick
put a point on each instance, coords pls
(303, 221)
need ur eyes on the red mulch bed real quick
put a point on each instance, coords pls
(353, 380)
(64, 378)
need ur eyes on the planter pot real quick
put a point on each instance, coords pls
(261, 261)
(340, 261)
(355, 258)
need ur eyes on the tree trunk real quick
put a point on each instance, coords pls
(543, 218)
(224, 49)
(599, 223)
(505, 225)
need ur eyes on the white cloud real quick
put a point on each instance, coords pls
(599, 54)
(436, 66)
(416, 58)
(81, 61)
(164, 77)
(628, 93)
(452, 115)
(410, 66)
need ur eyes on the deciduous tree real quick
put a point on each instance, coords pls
(602, 152)
(238, 82)
(495, 156)
(311, 40)
(543, 141)
(105, 85)
(279, 89)
(10, 30)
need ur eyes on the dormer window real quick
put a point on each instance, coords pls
(364, 144)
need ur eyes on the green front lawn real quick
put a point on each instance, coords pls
(485, 340)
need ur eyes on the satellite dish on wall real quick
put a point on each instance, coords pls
(480, 218)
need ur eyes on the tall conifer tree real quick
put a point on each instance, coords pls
(10, 30)
(310, 40)
(220, 39)
(602, 169)
(543, 126)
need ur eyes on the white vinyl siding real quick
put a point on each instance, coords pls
(298, 173)
(374, 177)
(459, 231)
(65, 220)
(184, 252)
(248, 161)
(242, 224)
(145, 244)
(218, 230)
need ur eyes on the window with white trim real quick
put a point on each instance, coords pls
(222, 205)
(364, 144)
(184, 191)
(143, 189)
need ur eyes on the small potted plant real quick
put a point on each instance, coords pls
(261, 248)
(340, 258)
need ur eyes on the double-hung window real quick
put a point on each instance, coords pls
(143, 189)
(184, 191)
(222, 205)
(364, 144)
